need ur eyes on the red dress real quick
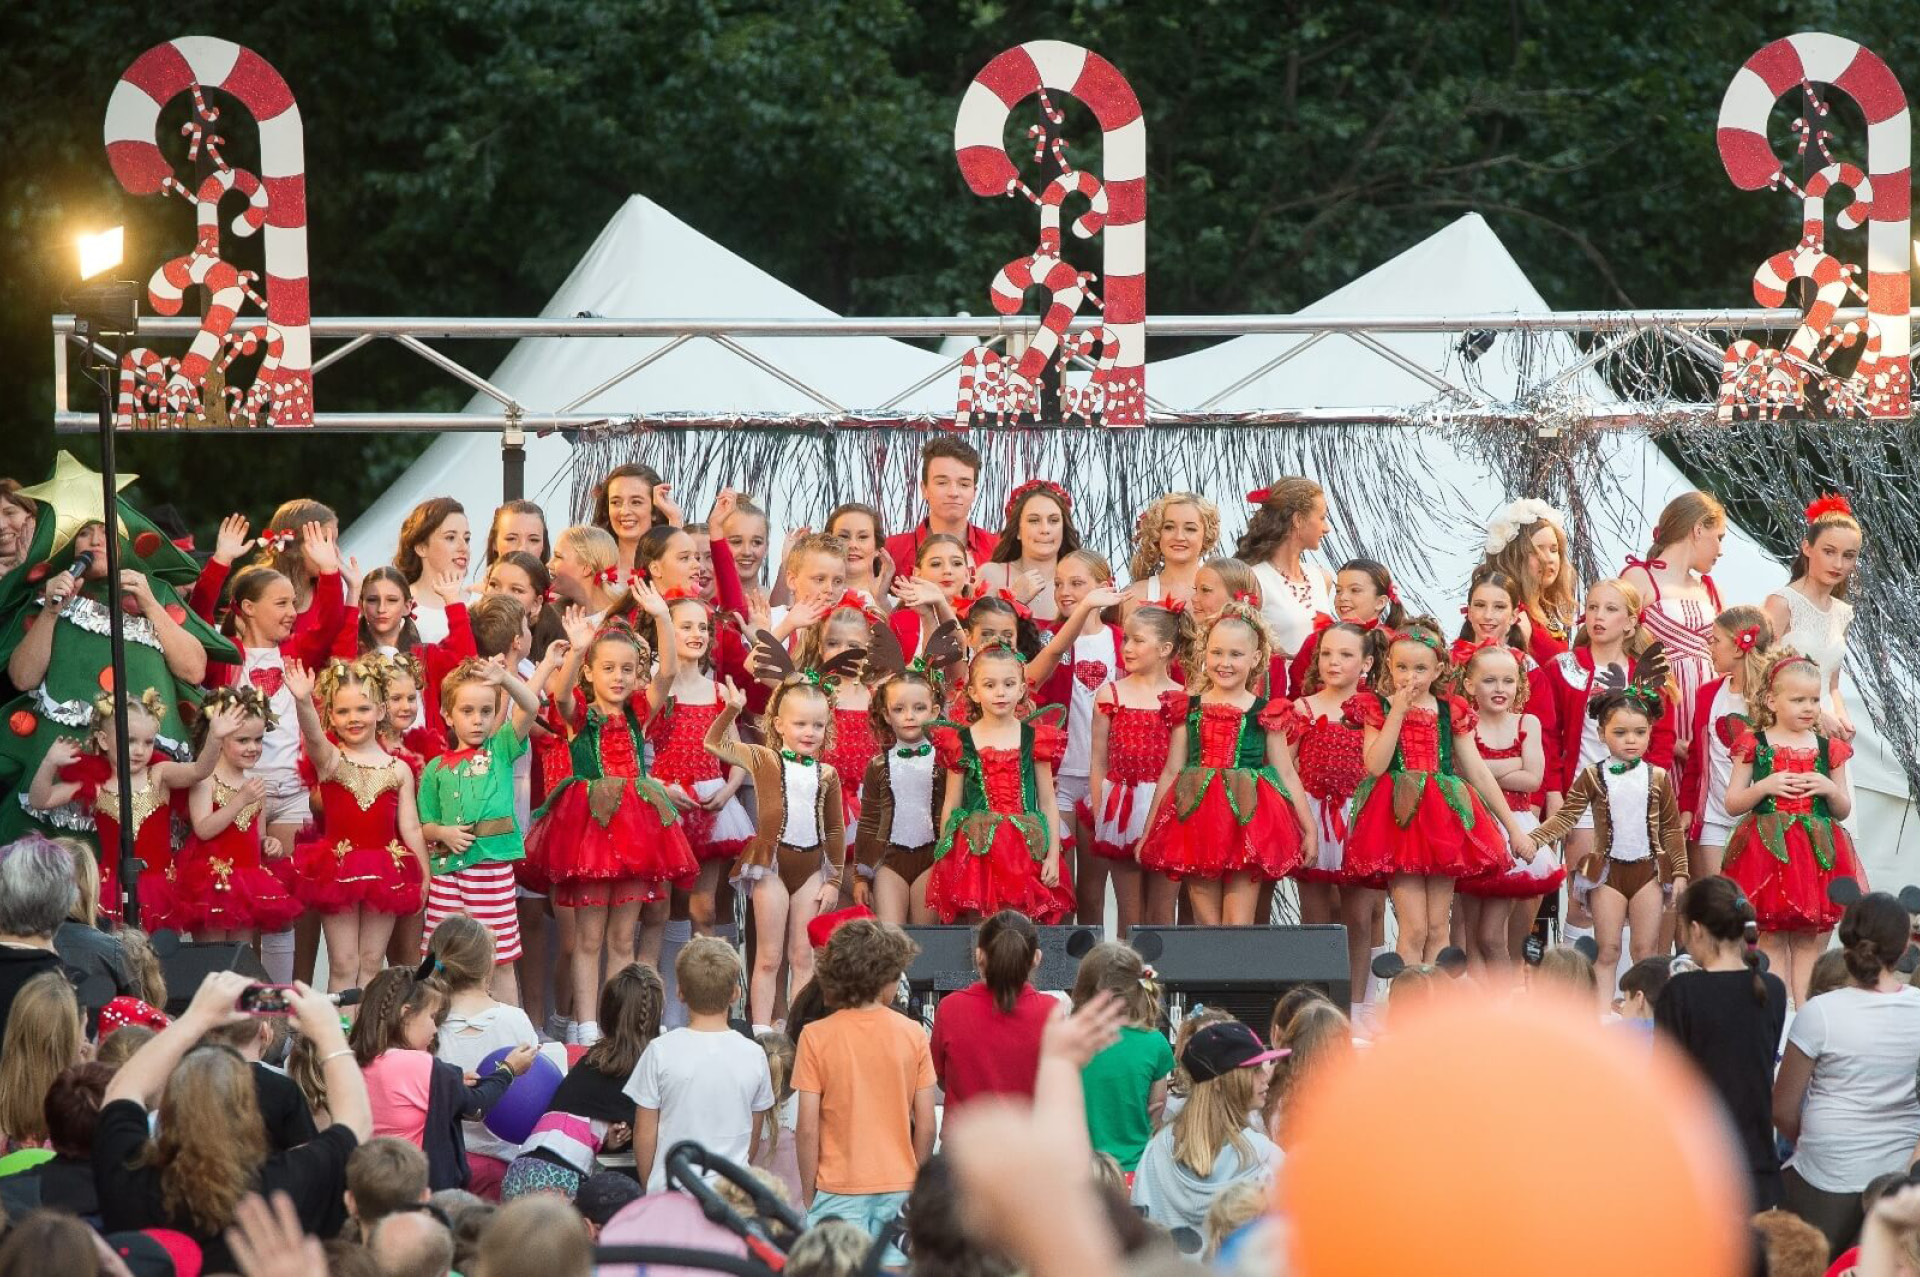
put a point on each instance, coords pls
(610, 822)
(990, 853)
(680, 757)
(1541, 874)
(221, 882)
(1789, 850)
(360, 861)
(1332, 767)
(1420, 818)
(1138, 739)
(152, 839)
(1229, 812)
(854, 747)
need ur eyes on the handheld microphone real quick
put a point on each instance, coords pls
(346, 999)
(81, 563)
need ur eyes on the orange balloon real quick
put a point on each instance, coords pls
(1521, 1138)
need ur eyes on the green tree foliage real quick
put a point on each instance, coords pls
(461, 156)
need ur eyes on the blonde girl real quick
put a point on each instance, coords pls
(1173, 535)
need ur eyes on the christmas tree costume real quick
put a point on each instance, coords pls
(990, 854)
(1789, 850)
(1228, 811)
(1421, 818)
(79, 667)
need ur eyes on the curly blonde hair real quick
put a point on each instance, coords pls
(1147, 559)
(368, 671)
(1238, 611)
(1760, 697)
(106, 704)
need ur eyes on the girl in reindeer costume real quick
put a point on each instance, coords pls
(899, 799)
(793, 868)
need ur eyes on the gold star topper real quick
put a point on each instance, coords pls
(73, 491)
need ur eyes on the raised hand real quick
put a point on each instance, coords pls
(62, 752)
(299, 679)
(578, 625)
(1028, 584)
(805, 613)
(725, 503)
(1102, 598)
(232, 541)
(730, 694)
(1079, 1035)
(556, 653)
(320, 546)
(449, 587)
(651, 602)
(354, 578)
(225, 722)
(663, 503)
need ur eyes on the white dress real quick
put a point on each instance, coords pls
(1289, 607)
(1821, 634)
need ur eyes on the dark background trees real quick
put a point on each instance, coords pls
(462, 156)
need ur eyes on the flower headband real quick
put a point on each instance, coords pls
(1515, 516)
(1039, 486)
(1828, 504)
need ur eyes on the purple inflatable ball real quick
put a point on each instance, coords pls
(525, 1101)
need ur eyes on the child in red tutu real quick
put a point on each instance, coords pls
(1000, 835)
(1430, 812)
(1333, 763)
(848, 625)
(71, 776)
(225, 893)
(1497, 910)
(1790, 782)
(608, 836)
(370, 865)
(1134, 716)
(1229, 813)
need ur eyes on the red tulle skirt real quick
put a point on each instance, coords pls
(1435, 842)
(160, 906)
(1003, 875)
(332, 880)
(1790, 896)
(1211, 843)
(635, 842)
(237, 898)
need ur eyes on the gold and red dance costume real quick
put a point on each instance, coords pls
(222, 883)
(1229, 812)
(1624, 796)
(1787, 852)
(1332, 763)
(1138, 742)
(801, 826)
(1540, 874)
(681, 758)
(995, 841)
(359, 859)
(92, 774)
(608, 828)
(1421, 818)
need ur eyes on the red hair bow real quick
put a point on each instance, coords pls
(1249, 598)
(1745, 638)
(1463, 650)
(281, 539)
(964, 605)
(853, 600)
(1828, 504)
(1172, 604)
(1259, 496)
(609, 576)
(1321, 621)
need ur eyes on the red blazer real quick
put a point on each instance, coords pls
(1569, 677)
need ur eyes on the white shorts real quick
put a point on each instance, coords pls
(288, 802)
(1069, 789)
(1715, 833)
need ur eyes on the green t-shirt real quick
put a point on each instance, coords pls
(475, 785)
(1117, 1083)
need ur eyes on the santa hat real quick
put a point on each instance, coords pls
(130, 1011)
(821, 928)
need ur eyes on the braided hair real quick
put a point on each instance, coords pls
(630, 1006)
(394, 995)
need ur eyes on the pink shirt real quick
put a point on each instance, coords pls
(397, 1086)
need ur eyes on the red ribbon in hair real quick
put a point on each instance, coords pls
(964, 605)
(1249, 598)
(1172, 604)
(853, 600)
(1463, 650)
(1828, 504)
(1259, 496)
(1745, 638)
(609, 576)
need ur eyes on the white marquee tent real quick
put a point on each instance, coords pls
(649, 264)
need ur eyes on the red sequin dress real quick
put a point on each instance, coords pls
(1332, 761)
(680, 758)
(152, 839)
(854, 747)
(221, 882)
(995, 841)
(359, 860)
(609, 822)
(1541, 874)
(1138, 739)
(1421, 818)
(1229, 812)
(1788, 851)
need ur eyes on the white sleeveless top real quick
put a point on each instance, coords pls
(1820, 634)
(1096, 647)
(1289, 607)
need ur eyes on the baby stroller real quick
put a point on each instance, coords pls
(689, 1230)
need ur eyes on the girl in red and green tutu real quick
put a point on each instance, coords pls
(1430, 812)
(1790, 782)
(1229, 814)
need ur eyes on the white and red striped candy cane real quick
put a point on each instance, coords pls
(1815, 58)
(179, 66)
(1053, 66)
(1813, 202)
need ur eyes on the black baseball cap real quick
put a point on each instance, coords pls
(603, 1195)
(1220, 1047)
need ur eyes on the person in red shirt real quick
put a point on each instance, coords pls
(986, 1038)
(949, 478)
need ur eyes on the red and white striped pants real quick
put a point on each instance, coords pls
(485, 892)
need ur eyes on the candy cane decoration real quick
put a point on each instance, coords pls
(1119, 208)
(276, 201)
(1882, 380)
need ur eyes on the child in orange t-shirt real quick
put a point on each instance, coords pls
(865, 1080)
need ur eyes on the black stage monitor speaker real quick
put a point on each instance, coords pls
(186, 964)
(945, 962)
(1246, 969)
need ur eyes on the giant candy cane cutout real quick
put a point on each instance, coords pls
(1765, 381)
(1117, 392)
(277, 200)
